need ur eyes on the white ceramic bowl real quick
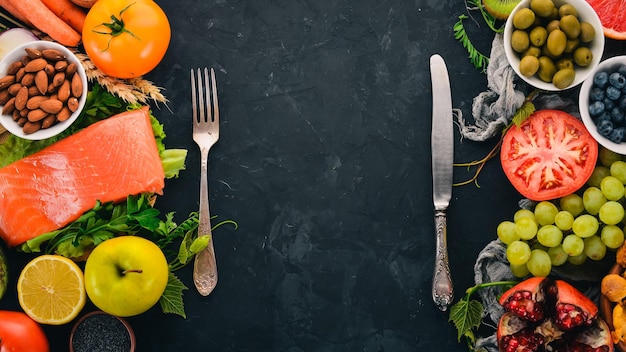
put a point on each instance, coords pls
(15, 55)
(583, 104)
(585, 14)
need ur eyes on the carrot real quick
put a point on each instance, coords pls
(46, 21)
(68, 12)
(8, 6)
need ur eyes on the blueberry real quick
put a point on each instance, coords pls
(608, 104)
(596, 108)
(617, 135)
(617, 116)
(622, 69)
(596, 94)
(605, 116)
(613, 93)
(617, 80)
(600, 79)
(605, 127)
(622, 102)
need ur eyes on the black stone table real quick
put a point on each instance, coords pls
(324, 162)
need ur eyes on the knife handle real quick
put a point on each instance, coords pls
(443, 291)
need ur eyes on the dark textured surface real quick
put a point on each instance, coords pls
(324, 162)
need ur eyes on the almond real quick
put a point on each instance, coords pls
(20, 74)
(28, 79)
(36, 115)
(4, 96)
(49, 69)
(60, 65)
(70, 70)
(51, 106)
(21, 121)
(14, 67)
(16, 115)
(64, 114)
(77, 86)
(34, 102)
(33, 91)
(6, 81)
(36, 65)
(48, 121)
(72, 104)
(33, 53)
(64, 91)
(8, 108)
(52, 54)
(58, 79)
(14, 88)
(41, 81)
(21, 98)
(31, 127)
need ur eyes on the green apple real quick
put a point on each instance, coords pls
(126, 275)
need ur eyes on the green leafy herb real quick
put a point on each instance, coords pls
(477, 59)
(467, 313)
(172, 299)
(522, 113)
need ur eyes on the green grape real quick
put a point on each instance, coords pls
(519, 271)
(557, 255)
(545, 212)
(523, 213)
(611, 213)
(593, 198)
(572, 203)
(612, 188)
(526, 228)
(585, 226)
(518, 252)
(506, 232)
(564, 220)
(608, 157)
(539, 263)
(549, 236)
(612, 236)
(618, 169)
(595, 249)
(577, 259)
(599, 172)
(572, 245)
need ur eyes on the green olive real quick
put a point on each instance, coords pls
(587, 32)
(529, 65)
(524, 18)
(538, 36)
(552, 25)
(520, 41)
(563, 78)
(547, 69)
(565, 62)
(570, 25)
(567, 9)
(532, 51)
(557, 40)
(542, 8)
(583, 56)
(571, 45)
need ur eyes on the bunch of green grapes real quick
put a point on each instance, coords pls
(574, 228)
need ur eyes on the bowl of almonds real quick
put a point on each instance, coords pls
(43, 88)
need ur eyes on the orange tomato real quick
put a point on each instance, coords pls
(126, 38)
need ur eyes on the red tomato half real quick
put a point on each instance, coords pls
(19, 333)
(549, 155)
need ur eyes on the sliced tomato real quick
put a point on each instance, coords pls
(549, 155)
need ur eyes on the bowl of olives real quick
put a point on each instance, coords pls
(602, 104)
(553, 45)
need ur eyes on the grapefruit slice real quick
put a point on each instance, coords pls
(612, 14)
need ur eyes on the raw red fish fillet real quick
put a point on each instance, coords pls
(106, 161)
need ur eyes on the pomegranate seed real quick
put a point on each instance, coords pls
(581, 347)
(522, 341)
(524, 306)
(569, 316)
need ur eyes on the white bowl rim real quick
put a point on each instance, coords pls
(7, 120)
(582, 73)
(583, 104)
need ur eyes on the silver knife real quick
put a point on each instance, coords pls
(442, 143)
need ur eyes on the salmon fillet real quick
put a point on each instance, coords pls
(106, 161)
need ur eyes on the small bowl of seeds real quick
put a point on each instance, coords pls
(98, 331)
(43, 89)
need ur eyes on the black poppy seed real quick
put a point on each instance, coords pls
(101, 333)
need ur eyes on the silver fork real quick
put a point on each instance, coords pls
(206, 132)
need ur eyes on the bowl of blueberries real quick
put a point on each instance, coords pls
(602, 104)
